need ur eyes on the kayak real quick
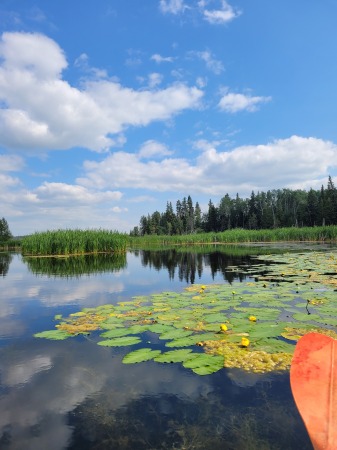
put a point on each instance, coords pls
(313, 380)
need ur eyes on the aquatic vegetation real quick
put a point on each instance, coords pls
(239, 235)
(69, 242)
(253, 327)
(253, 361)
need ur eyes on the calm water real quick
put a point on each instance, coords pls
(74, 394)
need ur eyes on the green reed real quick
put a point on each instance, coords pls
(70, 242)
(10, 245)
(238, 235)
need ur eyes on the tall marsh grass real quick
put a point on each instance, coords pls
(238, 235)
(70, 242)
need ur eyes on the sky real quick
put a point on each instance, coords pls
(110, 109)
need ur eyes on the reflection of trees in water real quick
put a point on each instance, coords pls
(219, 262)
(5, 260)
(191, 264)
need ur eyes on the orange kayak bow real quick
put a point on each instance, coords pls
(313, 379)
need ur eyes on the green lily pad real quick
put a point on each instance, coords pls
(120, 341)
(204, 364)
(305, 317)
(141, 355)
(175, 334)
(56, 335)
(174, 356)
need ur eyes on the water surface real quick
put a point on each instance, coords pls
(74, 394)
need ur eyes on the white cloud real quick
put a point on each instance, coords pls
(117, 209)
(152, 148)
(45, 112)
(224, 14)
(241, 170)
(66, 194)
(172, 6)
(107, 187)
(11, 163)
(33, 53)
(219, 16)
(212, 64)
(159, 59)
(155, 79)
(233, 103)
(82, 62)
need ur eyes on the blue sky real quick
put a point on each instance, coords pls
(109, 109)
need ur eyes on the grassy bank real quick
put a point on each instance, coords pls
(70, 242)
(293, 234)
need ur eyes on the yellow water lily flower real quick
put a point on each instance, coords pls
(252, 318)
(203, 287)
(223, 327)
(245, 342)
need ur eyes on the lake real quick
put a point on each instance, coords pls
(74, 394)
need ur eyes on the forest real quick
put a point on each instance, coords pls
(262, 210)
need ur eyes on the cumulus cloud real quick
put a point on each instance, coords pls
(241, 170)
(233, 103)
(159, 59)
(59, 193)
(152, 148)
(43, 111)
(225, 14)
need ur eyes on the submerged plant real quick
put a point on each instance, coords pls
(219, 321)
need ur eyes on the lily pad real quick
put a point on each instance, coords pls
(204, 364)
(174, 356)
(120, 341)
(175, 334)
(143, 354)
(55, 335)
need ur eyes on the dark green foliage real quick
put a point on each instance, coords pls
(5, 233)
(277, 208)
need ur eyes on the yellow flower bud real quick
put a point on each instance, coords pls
(252, 318)
(245, 342)
(223, 327)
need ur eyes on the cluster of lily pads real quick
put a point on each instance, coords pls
(250, 325)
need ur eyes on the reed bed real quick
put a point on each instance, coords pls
(72, 242)
(238, 235)
(10, 245)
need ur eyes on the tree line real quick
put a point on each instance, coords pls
(262, 210)
(5, 233)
